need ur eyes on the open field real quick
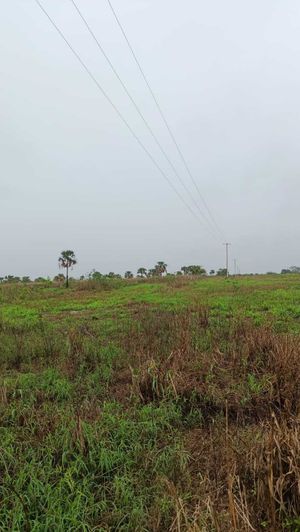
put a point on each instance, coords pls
(155, 405)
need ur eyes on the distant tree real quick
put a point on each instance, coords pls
(113, 275)
(152, 272)
(96, 276)
(179, 272)
(67, 260)
(40, 280)
(26, 279)
(60, 278)
(142, 272)
(161, 268)
(212, 272)
(222, 272)
(193, 269)
(128, 275)
(12, 279)
(295, 269)
(196, 270)
(291, 269)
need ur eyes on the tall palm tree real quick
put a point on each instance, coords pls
(67, 260)
(161, 267)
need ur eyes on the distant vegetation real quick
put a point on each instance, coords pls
(67, 261)
(291, 269)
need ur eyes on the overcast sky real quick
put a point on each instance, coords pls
(227, 75)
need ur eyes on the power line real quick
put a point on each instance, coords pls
(100, 47)
(91, 75)
(164, 119)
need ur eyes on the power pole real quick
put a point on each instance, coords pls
(235, 267)
(227, 244)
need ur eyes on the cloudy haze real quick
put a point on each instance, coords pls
(227, 75)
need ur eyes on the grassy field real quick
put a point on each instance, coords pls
(168, 405)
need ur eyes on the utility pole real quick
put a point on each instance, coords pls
(227, 244)
(235, 267)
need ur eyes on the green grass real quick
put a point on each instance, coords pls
(91, 474)
(116, 401)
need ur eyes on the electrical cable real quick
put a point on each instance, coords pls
(159, 108)
(91, 75)
(100, 47)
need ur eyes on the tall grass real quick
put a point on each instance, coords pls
(148, 418)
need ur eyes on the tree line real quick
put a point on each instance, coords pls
(291, 269)
(67, 260)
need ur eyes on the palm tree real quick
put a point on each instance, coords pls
(142, 272)
(67, 260)
(161, 267)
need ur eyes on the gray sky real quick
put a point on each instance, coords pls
(227, 75)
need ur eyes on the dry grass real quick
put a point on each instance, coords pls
(244, 453)
(227, 390)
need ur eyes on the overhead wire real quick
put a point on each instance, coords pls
(145, 121)
(163, 116)
(123, 119)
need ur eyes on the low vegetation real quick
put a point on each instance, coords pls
(166, 404)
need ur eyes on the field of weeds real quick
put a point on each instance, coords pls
(169, 405)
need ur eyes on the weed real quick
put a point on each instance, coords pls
(168, 405)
